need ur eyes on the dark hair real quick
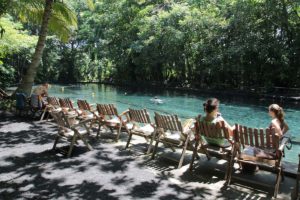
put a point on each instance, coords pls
(210, 105)
(278, 111)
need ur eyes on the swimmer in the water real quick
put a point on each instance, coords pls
(156, 100)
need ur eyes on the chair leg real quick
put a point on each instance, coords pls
(83, 138)
(282, 175)
(194, 155)
(183, 151)
(87, 129)
(276, 189)
(230, 166)
(43, 114)
(118, 133)
(155, 149)
(151, 142)
(55, 142)
(98, 132)
(71, 146)
(128, 141)
(181, 158)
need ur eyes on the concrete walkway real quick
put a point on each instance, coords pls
(29, 169)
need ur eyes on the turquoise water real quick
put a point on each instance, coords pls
(252, 114)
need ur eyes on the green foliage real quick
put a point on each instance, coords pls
(14, 42)
(207, 43)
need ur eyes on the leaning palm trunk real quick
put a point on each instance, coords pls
(28, 78)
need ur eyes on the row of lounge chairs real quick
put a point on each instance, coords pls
(244, 145)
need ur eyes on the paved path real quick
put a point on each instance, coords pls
(29, 169)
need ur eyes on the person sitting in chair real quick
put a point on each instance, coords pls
(211, 108)
(278, 123)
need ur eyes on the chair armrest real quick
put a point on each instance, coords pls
(70, 116)
(125, 113)
(285, 139)
(83, 122)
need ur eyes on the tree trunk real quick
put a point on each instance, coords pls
(28, 78)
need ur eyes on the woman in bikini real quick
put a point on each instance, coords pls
(278, 123)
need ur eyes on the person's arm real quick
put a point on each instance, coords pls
(285, 128)
(227, 124)
(45, 92)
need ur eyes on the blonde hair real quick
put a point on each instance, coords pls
(278, 111)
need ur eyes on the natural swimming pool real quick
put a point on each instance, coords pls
(185, 105)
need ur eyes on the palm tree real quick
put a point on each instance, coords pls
(53, 15)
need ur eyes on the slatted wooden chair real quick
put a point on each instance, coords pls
(108, 116)
(214, 140)
(260, 147)
(66, 103)
(52, 104)
(139, 123)
(86, 111)
(172, 133)
(85, 108)
(295, 192)
(69, 130)
(53, 101)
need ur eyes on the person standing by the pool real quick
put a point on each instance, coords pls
(42, 93)
(41, 90)
(278, 123)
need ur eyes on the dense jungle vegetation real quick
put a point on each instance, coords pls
(192, 43)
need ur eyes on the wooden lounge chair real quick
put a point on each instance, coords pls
(70, 131)
(84, 108)
(52, 104)
(260, 147)
(171, 133)
(295, 192)
(139, 123)
(214, 141)
(66, 103)
(108, 116)
(53, 101)
(86, 111)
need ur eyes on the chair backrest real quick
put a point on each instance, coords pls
(20, 100)
(83, 105)
(53, 101)
(36, 101)
(168, 122)
(140, 116)
(66, 103)
(212, 130)
(60, 118)
(107, 109)
(261, 138)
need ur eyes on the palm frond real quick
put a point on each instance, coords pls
(90, 4)
(63, 20)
